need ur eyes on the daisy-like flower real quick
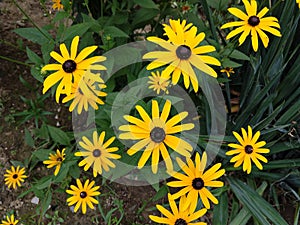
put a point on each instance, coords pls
(14, 177)
(10, 220)
(196, 181)
(158, 83)
(98, 153)
(86, 92)
(70, 67)
(227, 70)
(248, 150)
(155, 134)
(178, 215)
(298, 2)
(252, 23)
(182, 53)
(83, 195)
(57, 5)
(55, 160)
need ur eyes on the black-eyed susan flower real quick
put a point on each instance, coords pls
(10, 220)
(14, 177)
(248, 150)
(55, 160)
(253, 23)
(86, 92)
(196, 180)
(155, 134)
(97, 153)
(158, 82)
(178, 215)
(83, 195)
(182, 53)
(298, 2)
(71, 67)
(57, 4)
(227, 70)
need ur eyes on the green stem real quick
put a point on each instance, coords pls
(14, 61)
(11, 45)
(28, 17)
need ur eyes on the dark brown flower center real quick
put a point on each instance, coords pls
(157, 134)
(83, 194)
(253, 21)
(248, 149)
(180, 222)
(96, 153)
(69, 66)
(198, 183)
(15, 176)
(183, 52)
(59, 159)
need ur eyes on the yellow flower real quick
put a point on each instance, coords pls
(196, 180)
(253, 23)
(71, 67)
(83, 195)
(158, 82)
(10, 221)
(182, 53)
(298, 1)
(14, 177)
(154, 134)
(249, 149)
(97, 153)
(178, 215)
(55, 160)
(57, 5)
(227, 70)
(86, 92)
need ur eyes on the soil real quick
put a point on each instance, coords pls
(14, 148)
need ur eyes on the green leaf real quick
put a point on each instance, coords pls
(28, 138)
(229, 63)
(58, 135)
(260, 209)
(218, 4)
(114, 32)
(33, 56)
(146, 4)
(221, 210)
(33, 34)
(162, 192)
(77, 29)
(46, 201)
(43, 183)
(143, 15)
(239, 55)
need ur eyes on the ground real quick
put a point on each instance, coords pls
(12, 145)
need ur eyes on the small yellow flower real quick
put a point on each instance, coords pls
(55, 160)
(227, 70)
(298, 1)
(249, 149)
(178, 215)
(10, 220)
(57, 5)
(196, 181)
(158, 82)
(97, 154)
(252, 23)
(83, 195)
(14, 177)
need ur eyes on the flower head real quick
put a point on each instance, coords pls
(253, 23)
(14, 177)
(57, 4)
(182, 53)
(155, 134)
(71, 67)
(178, 215)
(86, 92)
(227, 70)
(10, 220)
(82, 195)
(55, 160)
(248, 150)
(196, 181)
(97, 153)
(158, 82)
